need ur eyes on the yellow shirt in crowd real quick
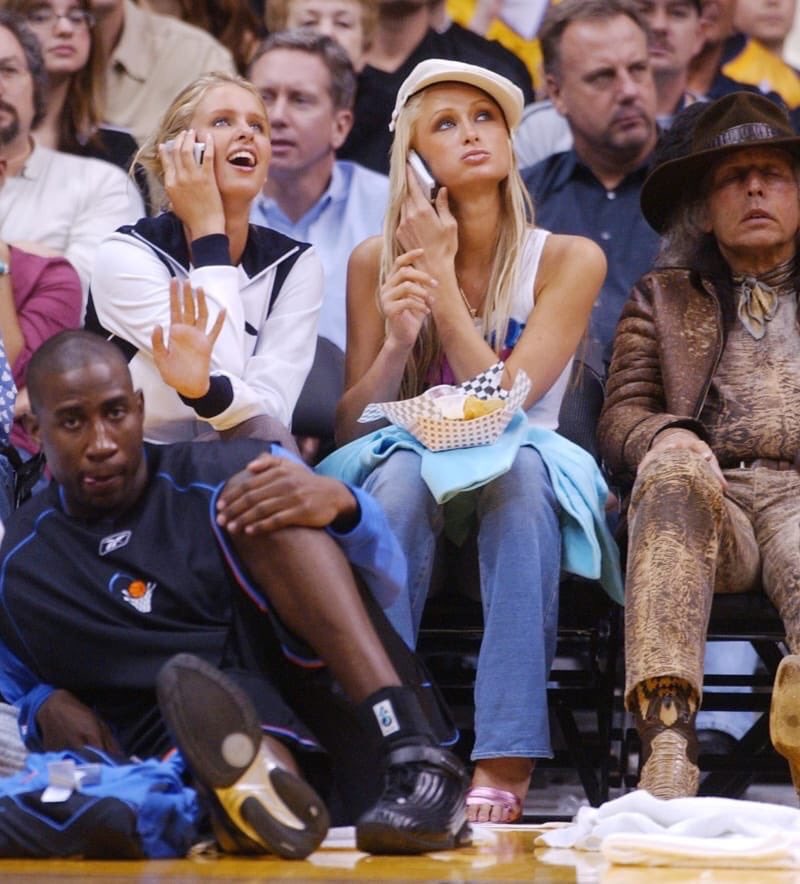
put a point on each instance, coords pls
(757, 66)
(461, 11)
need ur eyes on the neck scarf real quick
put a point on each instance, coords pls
(757, 296)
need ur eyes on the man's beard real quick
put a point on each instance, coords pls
(10, 130)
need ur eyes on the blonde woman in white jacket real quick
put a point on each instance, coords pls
(269, 286)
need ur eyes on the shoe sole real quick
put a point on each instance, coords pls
(378, 838)
(784, 714)
(285, 816)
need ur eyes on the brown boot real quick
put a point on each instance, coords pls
(664, 711)
(784, 714)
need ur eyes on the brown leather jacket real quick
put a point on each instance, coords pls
(667, 346)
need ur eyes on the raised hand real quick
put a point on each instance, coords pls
(185, 363)
(405, 299)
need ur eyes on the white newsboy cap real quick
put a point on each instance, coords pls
(442, 70)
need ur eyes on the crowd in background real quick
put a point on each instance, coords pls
(107, 209)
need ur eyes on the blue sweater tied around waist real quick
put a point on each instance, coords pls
(588, 549)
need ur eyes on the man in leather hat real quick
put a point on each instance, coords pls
(701, 417)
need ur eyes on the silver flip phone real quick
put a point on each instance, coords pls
(427, 182)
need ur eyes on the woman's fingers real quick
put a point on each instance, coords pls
(403, 269)
(179, 158)
(208, 154)
(408, 288)
(413, 305)
(408, 277)
(442, 204)
(415, 192)
(407, 258)
(189, 317)
(157, 341)
(216, 328)
(202, 307)
(175, 311)
(403, 293)
(185, 150)
(396, 302)
(188, 306)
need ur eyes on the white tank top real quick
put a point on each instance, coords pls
(543, 413)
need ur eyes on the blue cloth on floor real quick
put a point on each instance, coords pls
(588, 549)
(134, 809)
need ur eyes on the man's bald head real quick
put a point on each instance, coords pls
(65, 351)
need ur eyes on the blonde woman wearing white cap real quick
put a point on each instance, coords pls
(452, 286)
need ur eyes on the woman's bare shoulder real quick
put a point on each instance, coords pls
(570, 263)
(560, 247)
(367, 253)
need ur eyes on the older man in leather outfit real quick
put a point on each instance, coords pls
(703, 416)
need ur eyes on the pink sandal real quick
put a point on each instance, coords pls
(508, 801)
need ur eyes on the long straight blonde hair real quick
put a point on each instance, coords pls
(515, 216)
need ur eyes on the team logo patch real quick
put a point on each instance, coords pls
(114, 541)
(140, 595)
(137, 593)
(387, 720)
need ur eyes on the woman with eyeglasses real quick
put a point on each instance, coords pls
(73, 120)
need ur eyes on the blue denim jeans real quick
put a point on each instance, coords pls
(519, 555)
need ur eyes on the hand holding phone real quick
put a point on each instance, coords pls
(427, 182)
(198, 149)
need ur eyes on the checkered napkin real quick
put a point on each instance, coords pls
(422, 417)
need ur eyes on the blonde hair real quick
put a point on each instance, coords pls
(179, 114)
(516, 213)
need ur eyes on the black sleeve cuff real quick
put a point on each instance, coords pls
(213, 249)
(215, 401)
(685, 424)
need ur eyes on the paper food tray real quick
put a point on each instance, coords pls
(421, 416)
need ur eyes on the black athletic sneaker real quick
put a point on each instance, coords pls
(422, 807)
(257, 805)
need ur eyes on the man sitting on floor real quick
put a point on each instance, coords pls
(240, 556)
(701, 409)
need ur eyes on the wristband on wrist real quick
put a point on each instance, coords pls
(5, 268)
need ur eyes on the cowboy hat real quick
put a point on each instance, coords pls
(736, 121)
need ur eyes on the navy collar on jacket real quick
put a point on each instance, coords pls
(263, 247)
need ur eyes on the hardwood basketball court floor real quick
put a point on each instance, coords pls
(499, 854)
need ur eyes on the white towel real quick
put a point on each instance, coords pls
(12, 752)
(780, 850)
(638, 829)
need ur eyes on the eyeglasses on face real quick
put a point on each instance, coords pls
(45, 16)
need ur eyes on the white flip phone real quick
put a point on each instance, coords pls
(426, 181)
(198, 149)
